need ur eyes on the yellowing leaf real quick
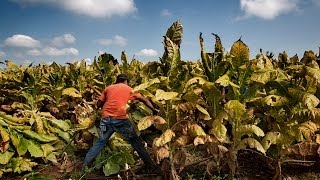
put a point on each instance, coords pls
(225, 81)
(183, 140)
(147, 121)
(195, 130)
(318, 139)
(251, 143)
(204, 111)
(219, 130)
(275, 100)
(144, 123)
(235, 109)
(249, 129)
(269, 139)
(162, 95)
(164, 138)
(71, 92)
(308, 129)
(5, 157)
(146, 85)
(158, 120)
(240, 52)
(199, 140)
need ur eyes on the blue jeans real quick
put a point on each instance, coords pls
(107, 127)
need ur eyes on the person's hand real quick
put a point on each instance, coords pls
(154, 112)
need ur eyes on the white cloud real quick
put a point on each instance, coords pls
(116, 40)
(93, 8)
(20, 40)
(52, 51)
(147, 52)
(63, 40)
(2, 54)
(266, 9)
(165, 12)
(88, 60)
(101, 52)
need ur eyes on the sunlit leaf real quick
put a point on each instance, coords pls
(269, 139)
(251, 143)
(164, 138)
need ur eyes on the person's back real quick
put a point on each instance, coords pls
(116, 97)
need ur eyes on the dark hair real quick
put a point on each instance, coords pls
(122, 78)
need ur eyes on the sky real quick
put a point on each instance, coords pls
(43, 31)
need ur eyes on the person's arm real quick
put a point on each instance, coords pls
(148, 103)
(99, 104)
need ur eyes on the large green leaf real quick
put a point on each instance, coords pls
(39, 137)
(62, 124)
(35, 149)
(225, 81)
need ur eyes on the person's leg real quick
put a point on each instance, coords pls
(127, 131)
(105, 132)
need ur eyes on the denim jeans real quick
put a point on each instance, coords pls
(107, 127)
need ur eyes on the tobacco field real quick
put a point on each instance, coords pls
(223, 116)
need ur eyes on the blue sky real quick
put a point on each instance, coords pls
(68, 30)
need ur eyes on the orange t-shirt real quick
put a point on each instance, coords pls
(115, 98)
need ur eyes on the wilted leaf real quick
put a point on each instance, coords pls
(199, 140)
(302, 150)
(251, 143)
(308, 129)
(164, 138)
(160, 153)
(318, 139)
(184, 140)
